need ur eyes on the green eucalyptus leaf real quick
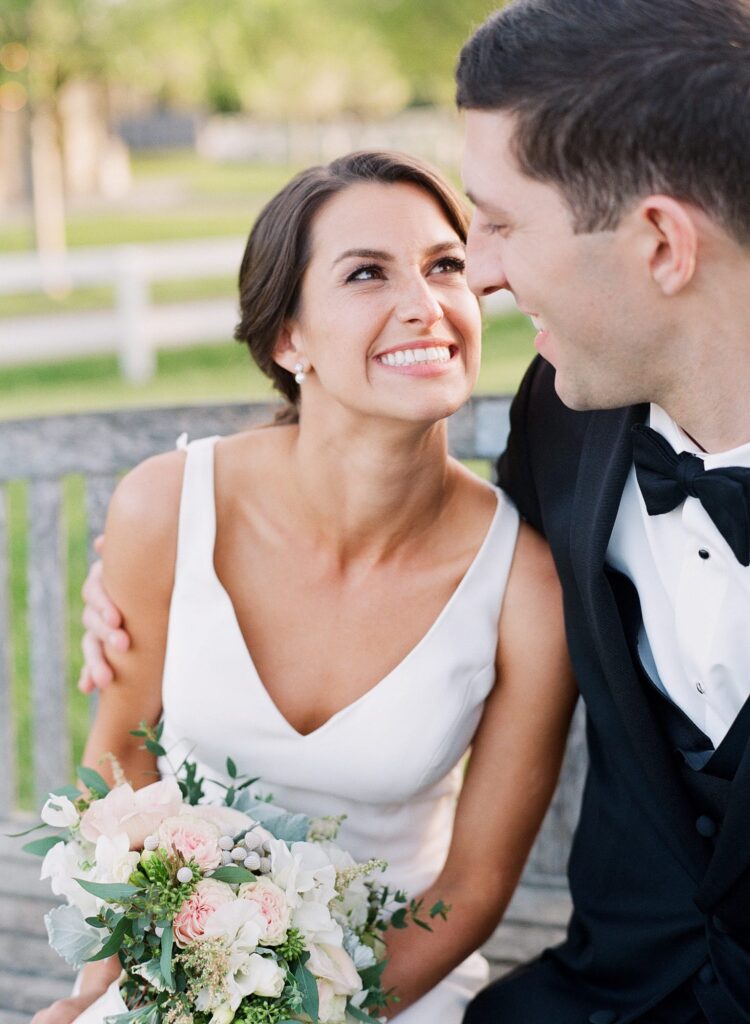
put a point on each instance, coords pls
(113, 943)
(167, 943)
(41, 847)
(233, 874)
(358, 1014)
(231, 768)
(110, 892)
(71, 792)
(371, 975)
(308, 989)
(92, 780)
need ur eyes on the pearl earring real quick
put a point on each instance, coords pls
(300, 374)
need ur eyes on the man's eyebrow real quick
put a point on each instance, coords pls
(385, 257)
(479, 202)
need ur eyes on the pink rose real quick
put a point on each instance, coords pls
(193, 839)
(273, 907)
(138, 812)
(189, 922)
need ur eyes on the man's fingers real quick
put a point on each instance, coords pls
(96, 668)
(85, 683)
(95, 596)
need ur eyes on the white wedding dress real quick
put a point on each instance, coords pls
(391, 761)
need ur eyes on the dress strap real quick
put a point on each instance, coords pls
(196, 535)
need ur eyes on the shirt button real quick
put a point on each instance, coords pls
(705, 826)
(706, 974)
(603, 1017)
(699, 687)
(704, 554)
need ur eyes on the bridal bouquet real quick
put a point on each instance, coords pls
(223, 911)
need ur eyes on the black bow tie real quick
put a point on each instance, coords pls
(666, 479)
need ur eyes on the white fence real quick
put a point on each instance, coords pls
(134, 327)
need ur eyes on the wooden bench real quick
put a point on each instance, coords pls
(99, 446)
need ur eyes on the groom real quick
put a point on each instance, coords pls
(608, 157)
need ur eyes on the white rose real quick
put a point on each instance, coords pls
(62, 866)
(331, 1007)
(260, 976)
(240, 924)
(316, 924)
(60, 812)
(114, 860)
(303, 870)
(228, 820)
(273, 905)
(333, 964)
(223, 1014)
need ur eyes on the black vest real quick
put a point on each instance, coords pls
(707, 774)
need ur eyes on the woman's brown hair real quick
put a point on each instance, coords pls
(278, 249)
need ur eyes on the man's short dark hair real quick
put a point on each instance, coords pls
(619, 99)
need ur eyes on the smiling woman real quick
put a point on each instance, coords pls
(338, 600)
(279, 250)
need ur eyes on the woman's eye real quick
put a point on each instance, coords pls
(369, 273)
(450, 265)
(494, 229)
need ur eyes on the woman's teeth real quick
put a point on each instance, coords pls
(537, 322)
(407, 356)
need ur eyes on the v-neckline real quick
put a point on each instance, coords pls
(379, 685)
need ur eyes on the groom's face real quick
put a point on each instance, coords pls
(582, 291)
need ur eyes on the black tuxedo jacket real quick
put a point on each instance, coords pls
(657, 908)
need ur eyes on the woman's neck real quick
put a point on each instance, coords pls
(365, 488)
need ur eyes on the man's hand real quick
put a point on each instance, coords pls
(103, 624)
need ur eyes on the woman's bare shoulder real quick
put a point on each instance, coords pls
(141, 533)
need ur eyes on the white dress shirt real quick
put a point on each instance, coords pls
(695, 595)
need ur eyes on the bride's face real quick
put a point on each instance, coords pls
(386, 320)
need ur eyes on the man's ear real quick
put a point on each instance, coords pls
(671, 235)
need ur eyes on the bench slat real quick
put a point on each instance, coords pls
(7, 744)
(47, 575)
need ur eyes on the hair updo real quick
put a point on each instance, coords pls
(278, 249)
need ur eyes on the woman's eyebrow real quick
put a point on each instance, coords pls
(380, 254)
(366, 254)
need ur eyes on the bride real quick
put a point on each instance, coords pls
(333, 601)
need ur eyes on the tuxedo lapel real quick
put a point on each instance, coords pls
(603, 470)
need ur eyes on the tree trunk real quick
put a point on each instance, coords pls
(48, 193)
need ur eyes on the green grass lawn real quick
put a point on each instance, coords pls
(204, 373)
(197, 198)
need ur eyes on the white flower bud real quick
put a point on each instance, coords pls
(252, 862)
(239, 853)
(226, 843)
(184, 875)
(253, 840)
(265, 864)
(151, 843)
(226, 857)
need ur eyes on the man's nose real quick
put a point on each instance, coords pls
(485, 273)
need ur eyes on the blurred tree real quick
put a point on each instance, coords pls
(63, 40)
